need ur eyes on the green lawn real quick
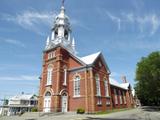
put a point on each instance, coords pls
(113, 110)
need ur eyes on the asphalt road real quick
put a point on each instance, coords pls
(144, 113)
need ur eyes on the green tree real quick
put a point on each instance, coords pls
(148, 79)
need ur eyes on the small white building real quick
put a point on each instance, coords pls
(3, 110)
(22, 103)
(4, 107)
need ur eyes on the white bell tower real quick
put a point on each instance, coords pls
(61, 33)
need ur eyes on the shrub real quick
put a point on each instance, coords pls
(34, 109)
(80, 111)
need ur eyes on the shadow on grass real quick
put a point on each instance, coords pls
(151, 108)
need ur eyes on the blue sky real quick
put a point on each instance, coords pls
(124, 30)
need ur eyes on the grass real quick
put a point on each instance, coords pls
(113, 110)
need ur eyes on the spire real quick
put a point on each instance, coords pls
(61, 32)
(47, 42)
(73, 46)
(52, 35)
(62, 8)
(62, 12)
(69, 37)
(73, 43)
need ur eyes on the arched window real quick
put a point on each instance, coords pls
(49, 75)
(106, 87)
(115, 96)
(124, 97)
(120, 97)
(56, 33)
(76, 86)
(48, 94)
(98, 90)
(65, 76)
(66, 34)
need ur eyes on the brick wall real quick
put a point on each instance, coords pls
(87, 99)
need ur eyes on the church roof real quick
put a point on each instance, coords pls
(125, 85)
(90, 58)
(120, 85)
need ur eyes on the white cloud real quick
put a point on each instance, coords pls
(34, 21)
(77, 23)
(138, 5)
(155, 21)
(31, 19)
(14, 42)
(136, 44)
(21, 77)
(115, 19)
(129, 17)
(148, 23)
(16, 66)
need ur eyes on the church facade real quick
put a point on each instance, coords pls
(69, 82)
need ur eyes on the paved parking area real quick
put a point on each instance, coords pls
(146, 113)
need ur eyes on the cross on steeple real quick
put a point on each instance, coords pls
(63, 2)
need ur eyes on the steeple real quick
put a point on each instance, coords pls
(61, 32)
(73, 44)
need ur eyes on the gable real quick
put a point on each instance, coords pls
(74, 63)
(90, 58)
(68, 58)
(101, 64)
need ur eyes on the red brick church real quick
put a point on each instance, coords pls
(69, 82)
